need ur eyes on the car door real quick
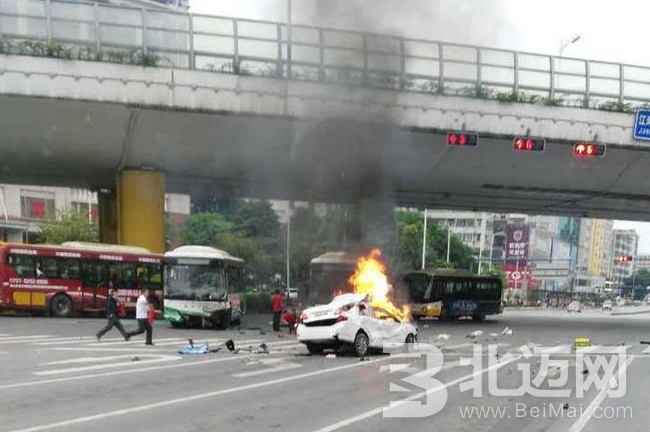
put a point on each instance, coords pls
(392, 330)
(370, 324)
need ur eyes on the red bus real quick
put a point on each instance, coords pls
(73, 278)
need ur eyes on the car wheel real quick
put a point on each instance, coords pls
(61, 306)
(314, 348)
(361, 344)
(408, 343)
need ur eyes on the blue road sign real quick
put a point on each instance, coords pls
(642, 125)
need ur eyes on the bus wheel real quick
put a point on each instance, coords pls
(61, 306)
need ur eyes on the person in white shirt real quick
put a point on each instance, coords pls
(142, 308)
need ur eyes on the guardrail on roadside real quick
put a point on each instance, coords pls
(265, 48)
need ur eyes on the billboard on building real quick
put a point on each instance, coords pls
(517, 243)
(519, 276)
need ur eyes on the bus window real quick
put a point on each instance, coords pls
(438, 289)
(23, 265)
(68, 268)
(93, 273)
(419, 288)
(48, 267)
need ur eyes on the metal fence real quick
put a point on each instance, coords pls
(263, 48)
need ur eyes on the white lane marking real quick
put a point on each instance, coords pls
(374, 412)
(83, 339)
(139, 341)
(114, 373)
(21, 339)
(582, 421)
(157, 359)
(98, 359)
(108, 349)
(646, 351)
(200, 396)
(457, 346)
(282, 365)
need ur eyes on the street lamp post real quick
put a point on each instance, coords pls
(424, 241)
(563, 45)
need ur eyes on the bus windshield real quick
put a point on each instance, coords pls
(195, 282)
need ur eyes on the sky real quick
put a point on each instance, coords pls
(612, 31)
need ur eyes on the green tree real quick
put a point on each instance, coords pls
(203, 228)
(640, 281)
(224, 205)
(496, 271)
(256, 219)
(409, 246)
(72, 226)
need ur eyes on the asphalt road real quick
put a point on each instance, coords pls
(54, 375)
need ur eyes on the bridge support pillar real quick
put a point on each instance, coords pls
(107, 214)
(134, 215)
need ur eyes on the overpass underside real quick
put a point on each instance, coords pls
(87, 143)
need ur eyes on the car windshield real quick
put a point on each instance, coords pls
(195, 282)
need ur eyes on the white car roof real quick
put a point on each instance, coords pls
(348, 298)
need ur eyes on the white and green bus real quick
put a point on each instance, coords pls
(200, 286)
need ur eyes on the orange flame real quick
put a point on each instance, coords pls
(370, 278)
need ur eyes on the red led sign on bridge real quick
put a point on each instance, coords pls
(462, 139)
(583, 149)
(529, 144)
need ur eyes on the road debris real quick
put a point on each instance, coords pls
(443, 337)
(330, 356)
(475, 334)
(136, 358)
(582, 342)
(506, 332)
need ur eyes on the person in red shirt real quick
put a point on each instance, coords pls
(289, 317)
(278, 307)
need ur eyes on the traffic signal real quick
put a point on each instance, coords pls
(581, 149)
(624, 258)
(462, 139)
(529, 144)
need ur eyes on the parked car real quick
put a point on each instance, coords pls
(607, 305)
(291, 293)
(574, 306)
(350, 320)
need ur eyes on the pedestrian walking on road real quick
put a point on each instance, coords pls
(278, 307)
(112, 316)
(142, 310)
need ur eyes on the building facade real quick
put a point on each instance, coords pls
(625, 242)
(24, 207)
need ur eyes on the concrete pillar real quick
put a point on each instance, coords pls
(107, 215)
(141, 209)
(134, 214)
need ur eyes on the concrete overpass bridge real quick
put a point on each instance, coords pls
(229, 106)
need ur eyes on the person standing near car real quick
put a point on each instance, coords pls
(142, 308)
(278, 307)
(112, 316)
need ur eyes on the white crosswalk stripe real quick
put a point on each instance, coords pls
(22, 339)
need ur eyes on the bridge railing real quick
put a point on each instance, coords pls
(264, 48)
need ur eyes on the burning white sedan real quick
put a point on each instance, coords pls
(349, 319)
